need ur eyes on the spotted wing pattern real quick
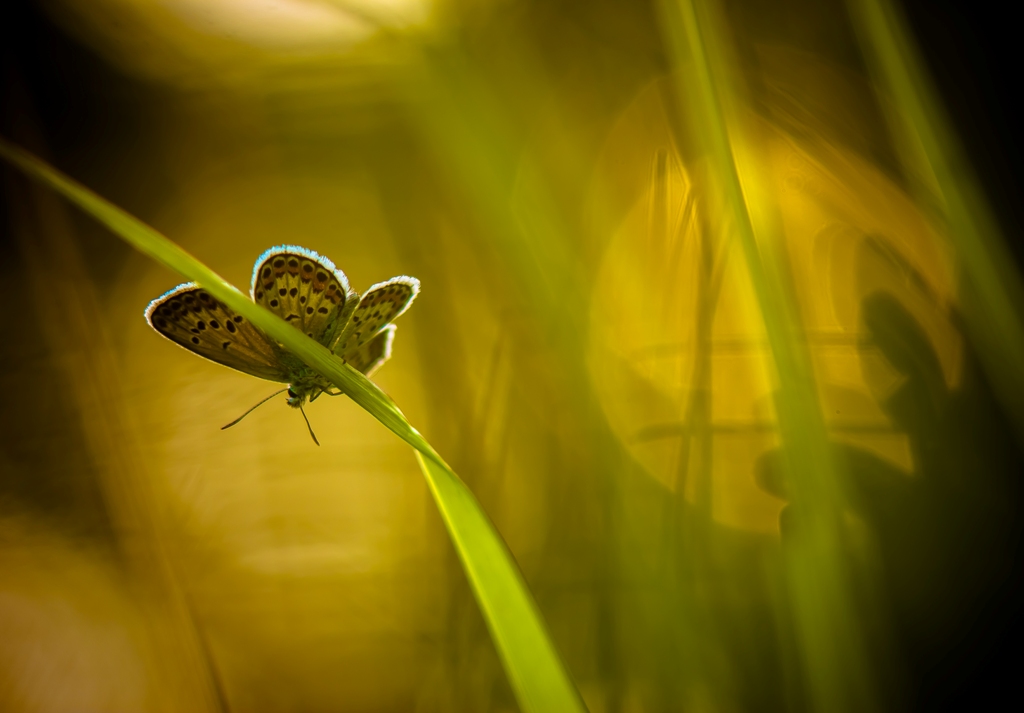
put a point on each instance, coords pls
(378, 307)
(189, 315)
(369, 357)
(305, 289)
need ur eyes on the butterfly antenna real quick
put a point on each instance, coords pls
(308, 426)
(254, 408)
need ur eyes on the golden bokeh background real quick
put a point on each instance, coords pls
(587, 352)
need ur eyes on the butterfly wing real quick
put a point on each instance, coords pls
(304, 289)
(369, 357)
(189, 316)
(381, 304)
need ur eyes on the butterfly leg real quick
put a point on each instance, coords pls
(317, 395)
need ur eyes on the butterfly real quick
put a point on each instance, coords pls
(307, 291)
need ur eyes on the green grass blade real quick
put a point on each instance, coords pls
(528, 655)
(536, 672)
(933, 157)
(836, 670)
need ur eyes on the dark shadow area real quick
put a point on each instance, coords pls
(972, 54)
(948, 536)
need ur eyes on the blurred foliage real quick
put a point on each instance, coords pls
(589, 352)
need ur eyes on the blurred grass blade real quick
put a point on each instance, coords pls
(537, 674)
(934, 159)
(835, 669)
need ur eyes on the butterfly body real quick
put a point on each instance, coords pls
(307, 291)
(307, 384)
